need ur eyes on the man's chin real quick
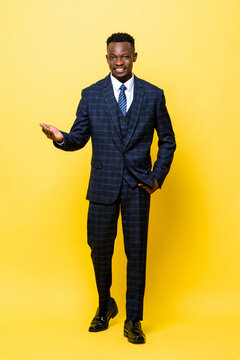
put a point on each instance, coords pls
(122, 76)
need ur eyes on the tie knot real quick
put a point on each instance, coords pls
(122, 87)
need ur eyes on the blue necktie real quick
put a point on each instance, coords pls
(122, 101)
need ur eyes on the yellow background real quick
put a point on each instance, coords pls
(50, 51)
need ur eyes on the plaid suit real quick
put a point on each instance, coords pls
(98, 116)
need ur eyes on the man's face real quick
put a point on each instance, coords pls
(120, 57)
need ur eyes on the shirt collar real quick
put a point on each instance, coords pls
(116, 83)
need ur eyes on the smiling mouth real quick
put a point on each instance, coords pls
(119, 70)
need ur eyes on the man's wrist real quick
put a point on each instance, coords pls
(156, 182)
(60, 142)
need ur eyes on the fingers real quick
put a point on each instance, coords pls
(148, 189)
(48, 131)
(145, 187)
(45, 126)
(51, 132)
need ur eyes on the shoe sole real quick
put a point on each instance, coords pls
(125, 333)
(114, 314)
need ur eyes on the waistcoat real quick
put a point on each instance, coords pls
(124, 123)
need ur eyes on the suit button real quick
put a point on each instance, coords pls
(124, 154)
(124, 121)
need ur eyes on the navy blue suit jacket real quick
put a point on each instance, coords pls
(97, 116)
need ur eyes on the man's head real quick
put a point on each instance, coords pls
(121, 55)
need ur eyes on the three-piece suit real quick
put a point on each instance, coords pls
(120, 160)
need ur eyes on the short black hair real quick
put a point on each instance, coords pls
(120, 37)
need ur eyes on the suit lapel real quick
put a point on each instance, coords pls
(136, 108)
(112, 105)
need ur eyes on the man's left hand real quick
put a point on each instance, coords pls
(148, 189)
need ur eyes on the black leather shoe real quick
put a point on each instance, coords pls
(133, 331)
(102, 317)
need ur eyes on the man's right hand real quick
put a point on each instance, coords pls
(52, 133)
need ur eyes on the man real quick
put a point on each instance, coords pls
(120, 113)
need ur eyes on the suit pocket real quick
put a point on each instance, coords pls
(96, 164)
(147, 114)
(147, 118)
(146, 165)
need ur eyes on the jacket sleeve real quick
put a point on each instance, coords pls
(80, 130)
(166, 142)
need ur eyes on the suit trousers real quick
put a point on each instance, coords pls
(134, 205)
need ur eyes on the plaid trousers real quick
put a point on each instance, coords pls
(102, 230)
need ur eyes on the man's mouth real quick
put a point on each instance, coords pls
(119, 70)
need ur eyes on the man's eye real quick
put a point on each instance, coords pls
(125, 57)
(112, 57)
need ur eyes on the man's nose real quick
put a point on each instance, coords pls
(119, 61)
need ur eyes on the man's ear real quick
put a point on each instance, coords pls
(135, 57)
(107, 57)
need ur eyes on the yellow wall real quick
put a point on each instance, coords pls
(51, 50)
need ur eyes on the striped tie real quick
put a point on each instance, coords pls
(122, 101)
